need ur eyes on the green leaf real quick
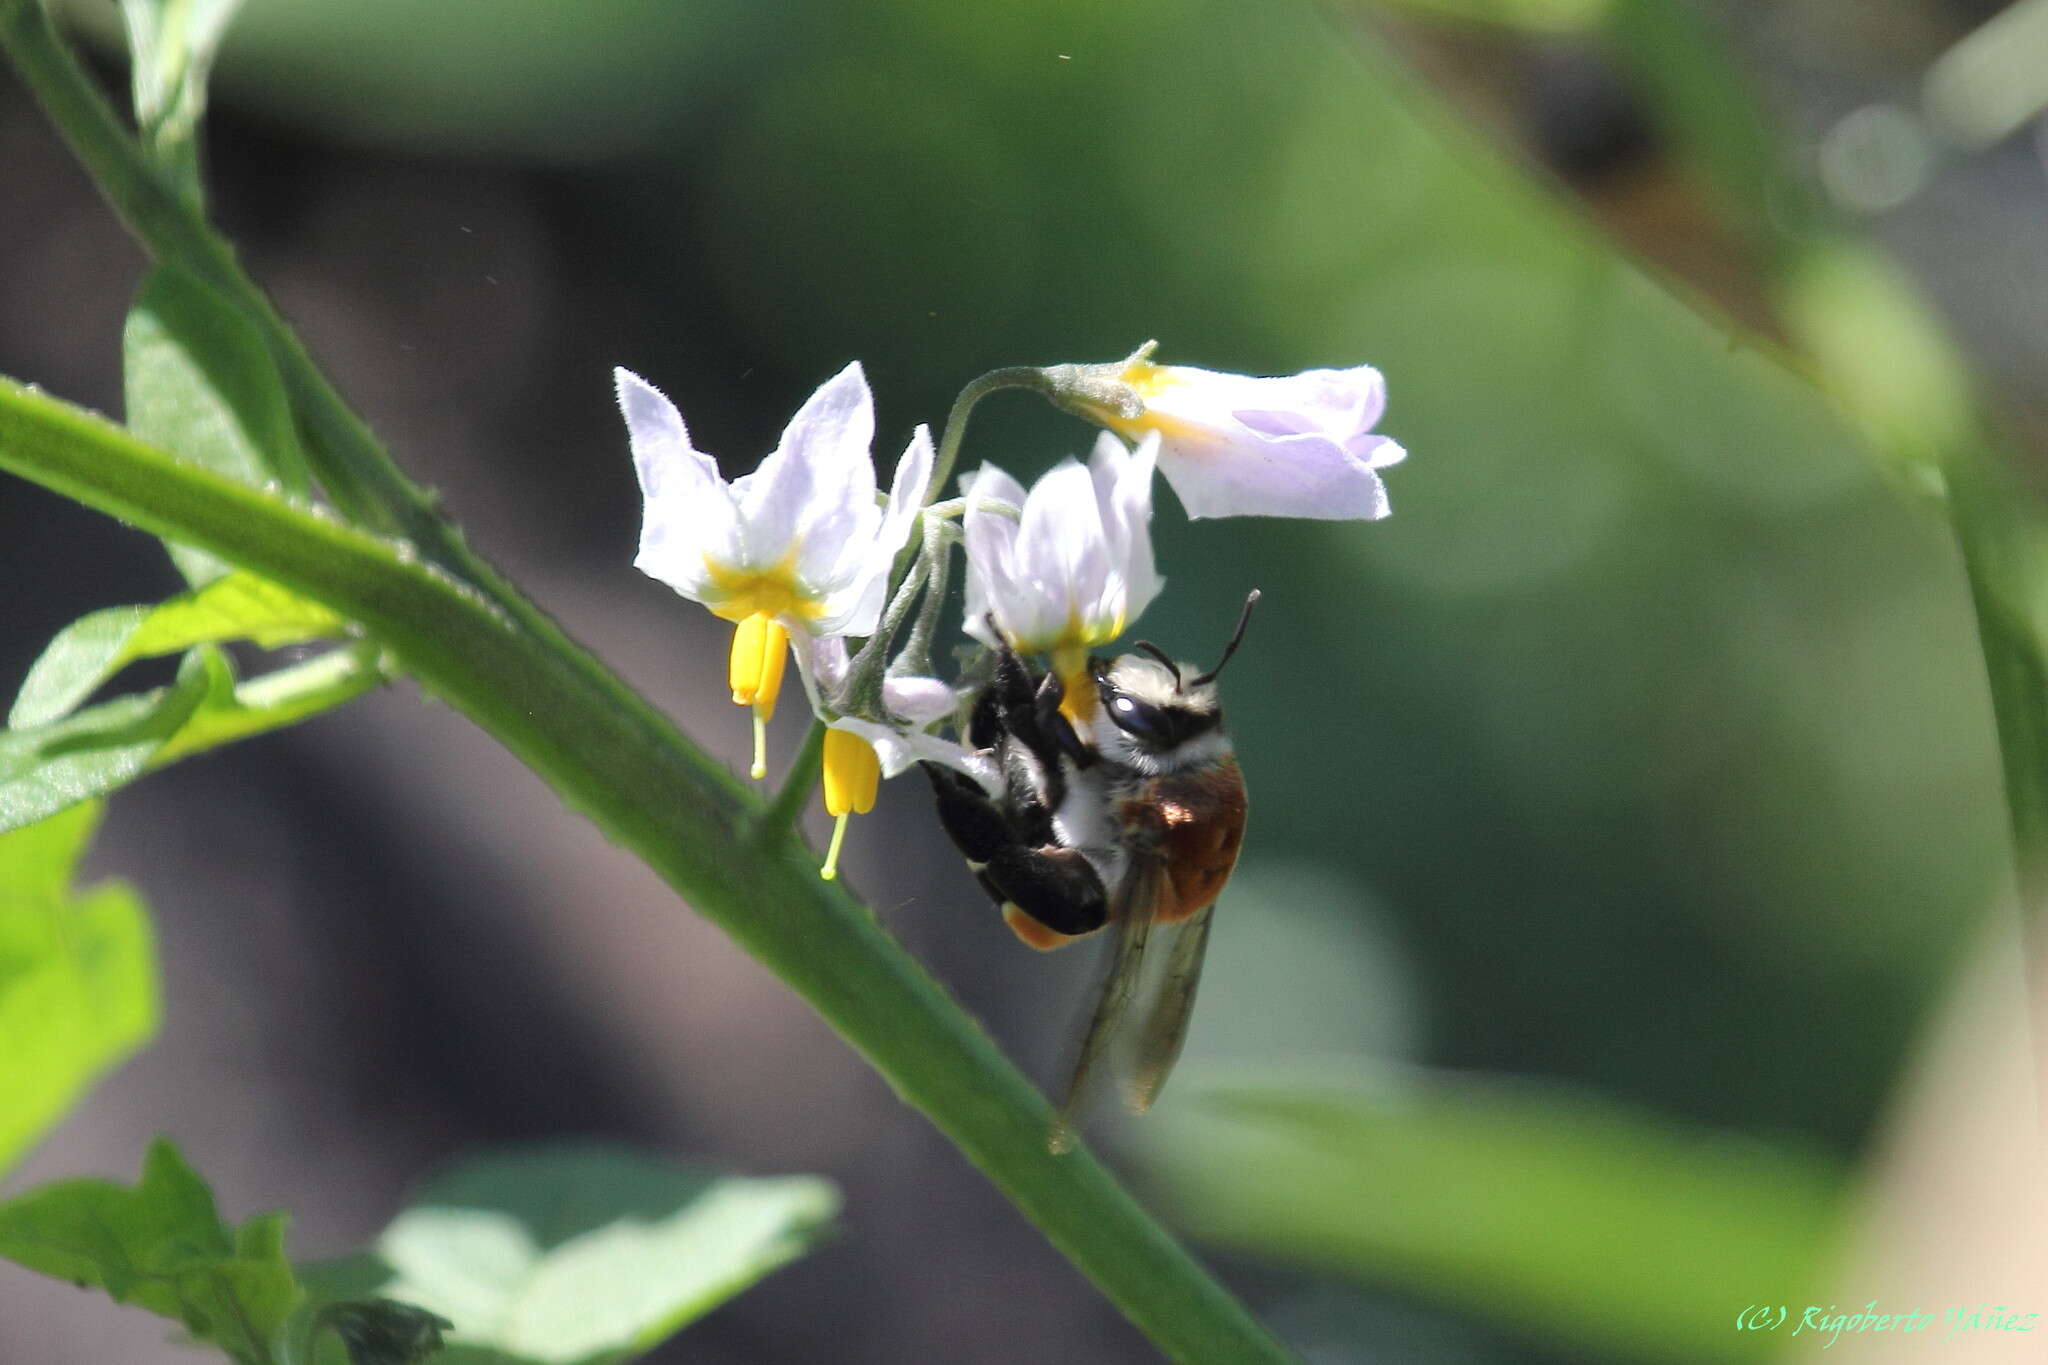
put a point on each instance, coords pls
(384, 1331)
(46, 768)
(582, 1255)
(49, 767)
(233, 711)
(77, 977)
(85, 654)
(200, 382)
(1569, 1216)
(161, 1246)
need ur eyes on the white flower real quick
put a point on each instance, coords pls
(1297, 445)
(798, 546)
(913, 702)
(1068, 567)
(860, 752)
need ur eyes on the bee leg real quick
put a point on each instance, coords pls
(1055, 730)
(1029, 711)
(1013, 678)
(977, 827)
(1056, 887)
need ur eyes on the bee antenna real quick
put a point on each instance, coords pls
(1244, 618)
(1156, 652)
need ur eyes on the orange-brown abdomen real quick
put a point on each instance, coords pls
(1200, 827)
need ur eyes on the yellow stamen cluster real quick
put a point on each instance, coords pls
(853, 774)
(760, 652)
(1077, 702)
(1147, 381)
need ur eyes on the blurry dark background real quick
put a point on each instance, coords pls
(1643, 753)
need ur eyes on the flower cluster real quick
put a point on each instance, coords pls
(805, 558)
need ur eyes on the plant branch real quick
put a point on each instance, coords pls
(353, 468)
(610, 755)
(779, 818)
(1015, 377)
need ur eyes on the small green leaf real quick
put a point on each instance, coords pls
(161, 1246)
(582, 1255)
(77, 977)
(200, 383)
(49, 767)
(232, 711)
(384, 1331)
(1601, 1228)
(85, 654)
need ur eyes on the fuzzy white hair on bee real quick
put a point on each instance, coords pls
(1159, 716)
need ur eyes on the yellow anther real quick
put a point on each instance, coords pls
(1077, 702)
(853, 774)
(760, 652)
(1148, 382)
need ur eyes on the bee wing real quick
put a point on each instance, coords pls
(1166, 1026)
(1134, 908)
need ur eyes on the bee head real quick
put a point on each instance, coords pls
(1154, 714)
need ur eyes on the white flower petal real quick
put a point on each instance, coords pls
(1077, 569)
(907, 490)
(898, 750)
(1128, 520)
(809, 492)
(852, 607)
(991, 545)
(688, 513)
(917, 699)
(854, 590)
(821, 663)
(1062, 563)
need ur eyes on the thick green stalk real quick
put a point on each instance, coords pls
(614, 758)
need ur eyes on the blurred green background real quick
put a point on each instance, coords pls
(1620, 806)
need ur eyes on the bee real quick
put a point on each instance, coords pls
(1123, 808)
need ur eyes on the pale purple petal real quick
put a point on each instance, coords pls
(1287, 476)
(1377, 451)
(1297, 445)
(1339, 403)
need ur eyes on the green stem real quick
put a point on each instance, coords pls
(352, 467)
(1015, 377)
(779, 818)
(610, 755)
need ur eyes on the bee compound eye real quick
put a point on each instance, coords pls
(1135, 717)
